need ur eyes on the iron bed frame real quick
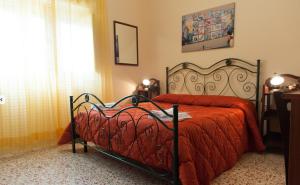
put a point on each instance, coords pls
(172, 177)
(193, 79)
(192, 75)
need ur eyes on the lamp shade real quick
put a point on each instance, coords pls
(146, 82)
(277, 80)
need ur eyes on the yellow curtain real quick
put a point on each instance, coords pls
(49, 51)
(103, 56)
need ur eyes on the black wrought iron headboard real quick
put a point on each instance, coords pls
(231, 76)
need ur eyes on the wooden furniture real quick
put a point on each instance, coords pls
(288, 121)
(143, 92)
(273, 140)
(150, 91)
(284, 119)
(294, 138)
(290, 127)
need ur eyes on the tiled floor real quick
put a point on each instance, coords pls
(60, 166)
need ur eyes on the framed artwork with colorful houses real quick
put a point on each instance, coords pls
(208, 29)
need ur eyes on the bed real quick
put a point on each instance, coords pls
(191, 151)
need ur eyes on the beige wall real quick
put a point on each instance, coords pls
(264, 29)
(126, 78)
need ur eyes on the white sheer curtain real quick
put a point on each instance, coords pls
(46, 55)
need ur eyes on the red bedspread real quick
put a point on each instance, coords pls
(220, 131)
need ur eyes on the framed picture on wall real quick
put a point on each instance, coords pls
(208, 29)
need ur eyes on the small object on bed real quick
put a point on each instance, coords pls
(107, 106)
(161, 115)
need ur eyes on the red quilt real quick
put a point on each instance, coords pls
(220, 131)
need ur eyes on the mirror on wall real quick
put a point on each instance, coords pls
(126, 44)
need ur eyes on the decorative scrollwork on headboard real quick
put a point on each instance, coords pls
(228, 77)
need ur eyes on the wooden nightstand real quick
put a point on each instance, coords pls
(271, 139)
(143, 93)
(151, 91)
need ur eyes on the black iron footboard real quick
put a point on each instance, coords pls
(109, 132)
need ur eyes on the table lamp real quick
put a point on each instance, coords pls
(146, 83)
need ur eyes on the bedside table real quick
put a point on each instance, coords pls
(143, 93)
(273, 140)
(150, 91)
